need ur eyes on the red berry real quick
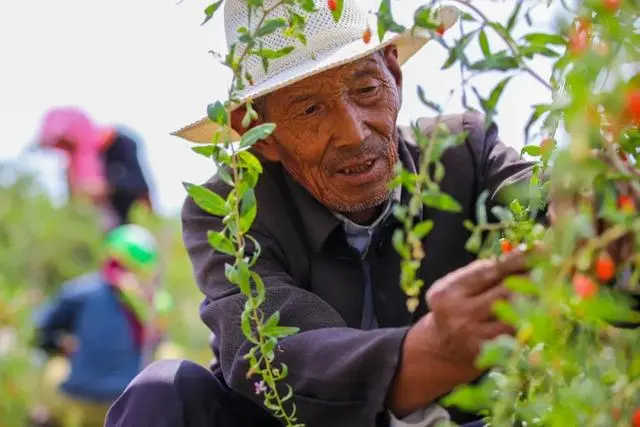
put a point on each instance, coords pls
(636, 418)
(611, 5)
(579, 36)
(332, 5)
(632, 106)
(626, 204)
(605, 267)
(505, 246)
(584, 286)
(366, 36)
(440, 30)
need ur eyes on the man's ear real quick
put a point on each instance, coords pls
(390, 54)
(266, 147)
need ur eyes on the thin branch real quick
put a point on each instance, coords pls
(513, 48)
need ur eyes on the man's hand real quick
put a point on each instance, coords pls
(440, 350)
(67, 344)
(461, 307)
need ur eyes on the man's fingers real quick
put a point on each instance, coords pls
(481, 275)
(483, 304)
(491, 330)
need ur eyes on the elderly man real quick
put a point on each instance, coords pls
(324, 224)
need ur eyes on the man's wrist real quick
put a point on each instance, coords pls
(426, 372)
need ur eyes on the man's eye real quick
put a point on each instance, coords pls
(368, 90)
(310, 110)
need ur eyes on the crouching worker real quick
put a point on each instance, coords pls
(100, 323)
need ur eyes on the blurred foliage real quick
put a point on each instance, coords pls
(42, 246)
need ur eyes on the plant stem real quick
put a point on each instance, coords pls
(512, 47)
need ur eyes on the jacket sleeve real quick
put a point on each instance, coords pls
(57, 317)
(498, 166)
(340, 376)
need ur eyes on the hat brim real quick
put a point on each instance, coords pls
(407, 43)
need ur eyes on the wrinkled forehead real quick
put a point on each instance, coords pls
(328, 80)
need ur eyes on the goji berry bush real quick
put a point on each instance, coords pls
(575, 359)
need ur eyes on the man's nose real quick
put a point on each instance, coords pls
(350, 128)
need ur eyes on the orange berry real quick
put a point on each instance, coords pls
(584, 286)
(605, 267)
(611, 5)
(366, 36)
(616, 413)
(506, 246)
(332, 5)
(626, 204)
(547, 145)
(636, 418)
(441, 30)
(632, 105)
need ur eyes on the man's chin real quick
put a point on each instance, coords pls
(360, 205)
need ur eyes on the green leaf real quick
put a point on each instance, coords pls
(489, 105)
(337, 13)
(522, 285)
(423, 228)
(532, 150)
(496, 62)
(245, 323)
(282, 331)
(514, 16)
(481, 209)
(217, 113)
(437, 108)
(422, 18)
(307, 5)
(206, 199)
(440, 201)
(273, 320)
(538, 111)
(271, 25)
(220, 243)
(274, 54)
(248, 210)
(244, 276)
(259, 286)
(502, 213)
(457, 52)
(204, 150)
(505, 312)
(250, 161)
(399, 244)
(211, 10)
(255, 134)
(484, 44)
(474, 242)
(496, 352)
(385, 20)
(544, 39)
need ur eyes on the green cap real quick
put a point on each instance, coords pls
(134, 247)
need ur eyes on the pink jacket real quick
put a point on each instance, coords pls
(71, 130)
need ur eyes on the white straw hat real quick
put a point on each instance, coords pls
(329, 45)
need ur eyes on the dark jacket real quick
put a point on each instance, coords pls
(340, 374)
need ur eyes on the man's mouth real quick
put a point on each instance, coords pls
(357, 168)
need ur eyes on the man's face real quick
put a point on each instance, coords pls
(336, 131)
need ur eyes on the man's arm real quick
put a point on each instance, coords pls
(340, 376)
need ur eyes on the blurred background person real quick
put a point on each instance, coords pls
(103, 162)
(106, 324)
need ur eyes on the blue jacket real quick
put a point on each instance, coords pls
(107, 358)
